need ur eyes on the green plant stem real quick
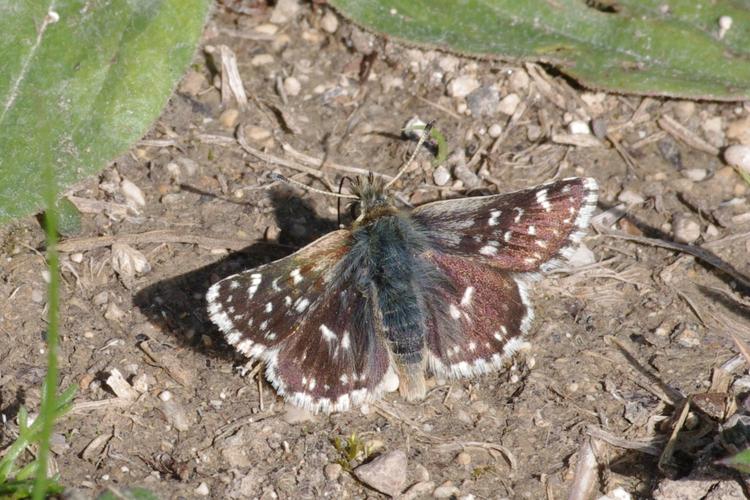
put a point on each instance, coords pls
(48, 408)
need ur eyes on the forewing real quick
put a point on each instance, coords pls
(308, 323)
(477, 320)
(523, 231)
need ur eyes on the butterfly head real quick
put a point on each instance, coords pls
(373, 199)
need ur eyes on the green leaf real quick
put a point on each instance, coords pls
(740, 461)
(81, 83)
(636, 46)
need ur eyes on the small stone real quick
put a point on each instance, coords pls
(630, 197)
(725, 24)
(686, 230)
(113, 312)
(229, 118)
(132, 193)
(236, 456)
(175, 414)
(533, 132)
(257, 134)
(684, 110)
(695, 174)
(37, 296)
(390, 381)
(583, 256)
(495, 130)
(462, 86)
(579, 127)
(739, 130)
(296, 414)
(617, 494)
(202, 490)
(329, 22)
(466, 176)
(165, 395)
(738, 156)
(261, 60)
(448, 63)
(386, 473)
(188, 165)
(292, 87)
(483, 101)
(140, 383)
(446, 490)
(518, 80)
(463, 458)
(120, 386)
(100, 298)
(599, 128)
(173, 169)
(266, 29)
(76, 257)
(509, 104)
(421, 473)
(441, 176)
(127, 261)
(333, 471)
(193, 83)
(284, 11)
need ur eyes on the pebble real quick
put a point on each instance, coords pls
(695, 174)
(509, 104)
(630, 197)
(261, 60)
(127, 261)
(599, 128)
(132, 193)
(445, 490)
(463, 458)
(113, 312)
(418, 490)
(202, 490)
(441, 176)
(292, 87)
(37, 296)
(484, 101)
(120, 386)
(257, 134)
(684, 110)
(229, 118)
(76, 257)
(173, 169)
(518, 80)
(329, 22)
(165, 395)
(386, 473)
(175, 414)
(583, 256)
(495, 130)
(284, 11)
(295, 414)
(617, 494)
(266, 29)
(466, 176)
(193, 83)
(462, 86)
(579, 127)
(333, 471)
(739, 130)
(533, 132)
(686, 230)
(738, 156)
(188, 165)
(390, 381)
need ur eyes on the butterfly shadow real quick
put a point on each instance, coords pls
(177, 305)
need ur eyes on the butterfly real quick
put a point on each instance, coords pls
(441, 288)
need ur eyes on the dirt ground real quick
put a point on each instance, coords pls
(620, 339)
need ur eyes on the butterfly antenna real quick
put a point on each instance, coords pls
(278, 177)
(422, 139)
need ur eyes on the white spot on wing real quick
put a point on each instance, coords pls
(345, 341)
(519, 214)
(296, 276)
(328, 334)
(494, 219)
(488, 250)
(541, 198)
(531, 231)
(269, 307)
(301, 304)
(468, 295)
(454, 312)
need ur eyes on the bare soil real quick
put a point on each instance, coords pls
(523, 429)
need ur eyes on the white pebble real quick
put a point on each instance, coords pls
(509, 104)
(725, 23)
(738, 156)
(579, 127)
(390, 381)
(462, 86)
(330, 22)
(630, 197)
(686, 230)
(132, 193)
(261, 59)
(292, 86)
(202, 490)
(165, 395)
(495, 130)
(695, 174)
(76, 257)
(441, 176)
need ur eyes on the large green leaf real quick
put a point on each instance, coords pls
(80, 81)
(647, 47)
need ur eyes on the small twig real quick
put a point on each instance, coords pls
(587, 471)
(669, 448)
(482, 445)
(159, 236)
(317, 162)
(682, 133)
(697, 252)
(649, 446)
